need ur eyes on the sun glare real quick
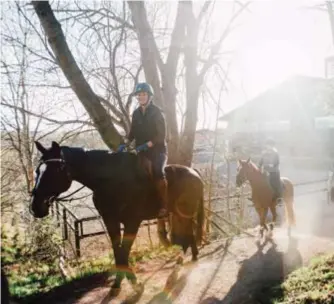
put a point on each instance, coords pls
(271, 62)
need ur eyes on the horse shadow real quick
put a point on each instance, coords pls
(260, 276)
(70, 291)
(168, 296)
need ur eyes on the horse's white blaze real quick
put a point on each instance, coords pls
(42, 170)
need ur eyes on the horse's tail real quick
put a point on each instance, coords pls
(288, 204)
(200, 220)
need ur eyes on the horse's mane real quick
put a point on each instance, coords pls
(253, 166)
(99, 163)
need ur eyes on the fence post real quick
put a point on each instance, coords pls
(57, 214)
(65, 231)
(77, 239)
(52, 210)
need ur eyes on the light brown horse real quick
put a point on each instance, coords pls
(263, 194)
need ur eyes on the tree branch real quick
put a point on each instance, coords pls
(215, 48)
(62, 122)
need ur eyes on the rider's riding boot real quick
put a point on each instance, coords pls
(162, 189)
(279, 194)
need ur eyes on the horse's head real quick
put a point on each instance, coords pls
(52, 178)
(242, 172)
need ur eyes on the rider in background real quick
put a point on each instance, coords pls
(148, 129)
(269, 162)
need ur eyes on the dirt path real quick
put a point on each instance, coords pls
(227, 272)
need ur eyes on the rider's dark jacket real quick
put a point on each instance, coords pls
(270, 160)
(149, 126)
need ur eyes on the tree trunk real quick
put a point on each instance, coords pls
(147, 45)
(152, 63)
(168, 81)
(72, 72)
(331, 17)
(192, 89)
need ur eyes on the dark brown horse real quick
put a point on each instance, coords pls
(263, 194)
(123, 194)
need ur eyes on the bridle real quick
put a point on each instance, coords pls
(244, 176)
(56, 198)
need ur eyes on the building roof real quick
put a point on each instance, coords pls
(311, 94)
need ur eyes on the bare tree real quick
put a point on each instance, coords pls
(114, 32)
(185, 37)
(79, 84)
(26, 114)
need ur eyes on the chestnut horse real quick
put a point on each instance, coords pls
(263, 194)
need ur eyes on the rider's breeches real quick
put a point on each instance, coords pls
(275, 181)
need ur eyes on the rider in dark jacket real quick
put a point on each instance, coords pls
(148, 129)
(269, 162)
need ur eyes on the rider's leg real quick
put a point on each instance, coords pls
(158, 167)
(275, 181)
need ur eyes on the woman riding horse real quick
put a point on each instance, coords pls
(269, 162)
(263, 194)
(148, 129)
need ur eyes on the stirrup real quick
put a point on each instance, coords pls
(279, 200)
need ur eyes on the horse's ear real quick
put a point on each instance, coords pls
(40, 147)
(55, 146)
(248, 160)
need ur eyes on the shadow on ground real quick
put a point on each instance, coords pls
(73, 290)
(168, 296)
(259, 274)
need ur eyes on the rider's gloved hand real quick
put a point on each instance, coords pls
(143, 147)
(121, 148)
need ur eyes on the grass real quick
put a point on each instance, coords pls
(311, 284)
(29, 278)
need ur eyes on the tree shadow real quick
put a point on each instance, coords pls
(259, 274)
(72, 290)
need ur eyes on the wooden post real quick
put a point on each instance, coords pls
(65, 231)
(57, 214)
(77, 239)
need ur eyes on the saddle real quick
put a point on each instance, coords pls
(144, 167)
(274, 187)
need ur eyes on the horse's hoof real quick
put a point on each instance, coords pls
(179, 260)
(138, 288)
(258, 243)
(194, 259)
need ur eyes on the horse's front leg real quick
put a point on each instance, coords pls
(263, 217)
(262, 213)
(274, 214)
(130, 232)
(114, 231)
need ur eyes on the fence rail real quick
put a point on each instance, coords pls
(63, 215)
